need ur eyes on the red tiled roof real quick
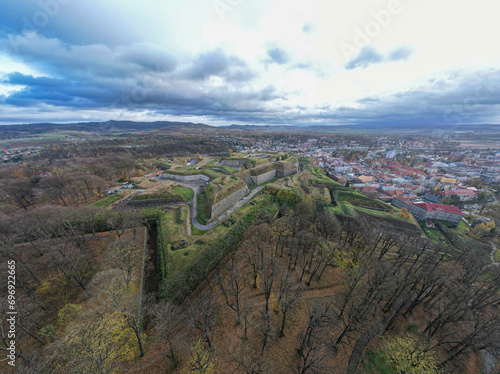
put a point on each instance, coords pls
(404, 200)
(443, 207)
(458, 192)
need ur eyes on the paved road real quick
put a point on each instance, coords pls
(492, 254)
(236, 206)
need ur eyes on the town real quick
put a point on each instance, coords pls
(424, 175)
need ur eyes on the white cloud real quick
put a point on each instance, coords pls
(116, 43)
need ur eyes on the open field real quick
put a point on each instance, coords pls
(343, 208)
(109, 200)
(434, 235)
(186, 193)
(161, 191)
(143, 182)
(395, 216)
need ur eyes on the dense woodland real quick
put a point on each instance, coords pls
(307, 293)
(289, 288)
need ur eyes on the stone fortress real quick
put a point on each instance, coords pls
(225, 191)
(252, 176)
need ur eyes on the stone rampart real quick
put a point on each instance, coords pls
(285, 173)
(185, 178)
(263, 178)
(226, 204)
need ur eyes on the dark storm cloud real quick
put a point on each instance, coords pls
(218, 64)
(144, 76)
(28, 80)
(149, 57)
(136, 77)
(459, 98)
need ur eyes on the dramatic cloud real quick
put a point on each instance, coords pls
(261, 62)
(217, 64)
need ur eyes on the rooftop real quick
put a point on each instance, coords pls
(443, 207)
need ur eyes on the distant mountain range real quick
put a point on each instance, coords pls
(168, 126)
(99, 127)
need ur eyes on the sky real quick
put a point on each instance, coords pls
(275, 62)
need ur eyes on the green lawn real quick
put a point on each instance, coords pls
(195, 231)
(202, 210)
(107, 201)
(343, 208)
(186, 193)
(356, 198)
(211, 163)
(395, 215)
(228, 169)
(496, 256)
(185, 257)
(375, 364)
(172, 227)
(434, 235)
(174, 223)
(462, 228)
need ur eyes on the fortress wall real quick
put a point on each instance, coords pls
(262, 178)
(226, 204)
(185, 178)
(285, 173)
(232, 163)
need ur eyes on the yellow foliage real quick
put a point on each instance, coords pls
(404, 213)
(406, 355)
(68, 313)
(201, 360)
(344, 260)
(98, 345)
(49, 286)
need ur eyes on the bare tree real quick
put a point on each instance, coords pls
(232, 282)
(249, 361)
(127, 256)
(129, 305)
(167, 317)
(253, 258)
(203, 312)
(265, 327)
(289, 295)
(313, 344)
(269, 273)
